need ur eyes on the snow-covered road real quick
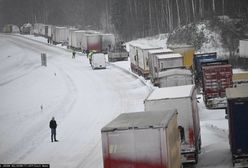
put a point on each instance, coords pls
(81, 99)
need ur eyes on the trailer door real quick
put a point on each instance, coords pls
(239, 127)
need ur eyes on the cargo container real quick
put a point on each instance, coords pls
(71, 30)
(240, 79)
(151, 57)
(163, 62)
(91, 42)
(139, 58)
(76, 38)
(142, 140)
(243, 48)
(182, 98)
(60, 35)
(48, 31)
(187, 51)
(198, 58)
(108, 42)
(174, 77)
(237, 110)
(215, 79)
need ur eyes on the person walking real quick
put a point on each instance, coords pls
(73, 54)
(53, 126)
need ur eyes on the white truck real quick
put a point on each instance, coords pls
(182, 98)
(98, 61)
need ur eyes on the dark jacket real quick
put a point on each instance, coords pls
(53, 124)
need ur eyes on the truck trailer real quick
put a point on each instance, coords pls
(142, 140)
(151, 61)
(182, 98)
(237, 111)
(187, 51)
(175, 77)
(139, 58)
(198, 58)
(216, 77)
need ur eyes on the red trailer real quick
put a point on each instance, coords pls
(216, 78)
(142, 140)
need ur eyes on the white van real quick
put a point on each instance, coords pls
(98, 61)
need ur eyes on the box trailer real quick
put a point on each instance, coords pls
(237, 110)
(198, 58)
(187, 51)
(76, 38)
(240, 79)
(108, 42)
(71, 30)
(182, 98)
(243, 48)
(215, 79)
(139, 58)
(91, 42)
(142, 140)
(174, 77)
(60, 35)
(151, 60)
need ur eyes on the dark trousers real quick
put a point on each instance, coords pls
(53, 134)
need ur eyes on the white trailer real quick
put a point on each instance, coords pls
(243, 48)
(71, 30)
(108, 42)
(61, 35)
(48, 31)
(39, 29)
(76, 38)
(182, 98)
(139, 58)
(175, 77)
(151, 60)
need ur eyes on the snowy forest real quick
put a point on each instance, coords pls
(127, 18)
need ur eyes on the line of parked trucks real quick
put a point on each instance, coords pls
(167, 134)
(180, 74)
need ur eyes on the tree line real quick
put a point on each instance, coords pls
(126, 18)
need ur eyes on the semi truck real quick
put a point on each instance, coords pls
(183, 99)
(216, 77)
(198, 58)
(91, 41)
(142, 140)
(187, 51)
(237, 111)
(118, 53)
(139, 58)
(174, 77)
(151, 61)
(165, 62)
